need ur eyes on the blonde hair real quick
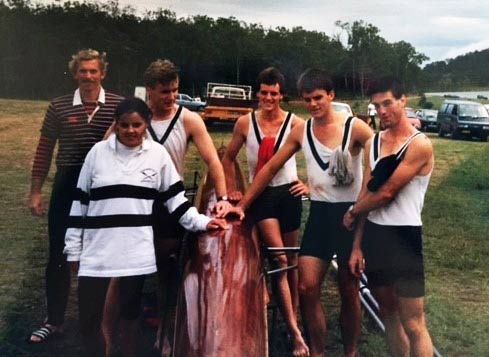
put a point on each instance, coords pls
(87, 54)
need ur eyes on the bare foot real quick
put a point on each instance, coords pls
(164, 345)
(166, 350)
(300, 347)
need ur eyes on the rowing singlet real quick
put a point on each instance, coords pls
(405, 209)
(288, 173)
(171, 134)
(322, 185)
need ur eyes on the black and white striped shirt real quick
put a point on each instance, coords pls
(111, 223)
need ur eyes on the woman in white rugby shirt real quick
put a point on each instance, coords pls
(110, 234)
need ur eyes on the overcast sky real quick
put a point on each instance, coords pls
(440, 29)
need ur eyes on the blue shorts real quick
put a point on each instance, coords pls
(325, 234)
(394, 257)
(277, 202)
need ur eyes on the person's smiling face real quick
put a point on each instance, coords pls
(130, 129)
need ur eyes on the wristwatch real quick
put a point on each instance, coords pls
(222, 198)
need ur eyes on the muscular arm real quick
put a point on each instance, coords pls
(195, 128)
(361, 134)
(356, 262)
(232, 150)
(418, 161)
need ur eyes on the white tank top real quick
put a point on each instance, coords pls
(405, 209)
(288, 173)
(322, 185)
(171, 134)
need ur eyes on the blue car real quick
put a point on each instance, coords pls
(190, 103)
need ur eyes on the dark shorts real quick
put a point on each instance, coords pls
(277, 202)
(164, 225)
(394, 257)
(325, 234)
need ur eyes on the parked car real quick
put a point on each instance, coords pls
(230, 92)
(413, 119)
(190, 103)
(428, 119)
(463, 118)
(342, 108)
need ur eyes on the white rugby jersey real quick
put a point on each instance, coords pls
(110, 232)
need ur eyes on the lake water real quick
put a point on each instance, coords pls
(468, 95)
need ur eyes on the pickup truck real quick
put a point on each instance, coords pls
(227, 102)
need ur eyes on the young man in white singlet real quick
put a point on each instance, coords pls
(327, 139)
(277, 212)
(398, 165)
(174, 127)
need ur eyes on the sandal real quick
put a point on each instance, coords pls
(44, 333)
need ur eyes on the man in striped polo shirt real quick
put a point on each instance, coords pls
(75, 121)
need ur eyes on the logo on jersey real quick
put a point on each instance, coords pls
(149, 175)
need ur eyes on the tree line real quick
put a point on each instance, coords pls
(464, 72)
(36, 42)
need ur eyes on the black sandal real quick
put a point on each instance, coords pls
(44, 333)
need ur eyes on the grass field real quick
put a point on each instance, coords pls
(456, 222)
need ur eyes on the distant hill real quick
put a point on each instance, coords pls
(464, 72)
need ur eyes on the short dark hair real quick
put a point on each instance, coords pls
(133, 105)
(386, 84)
(270, 76)
(161, 71)
(312, 79)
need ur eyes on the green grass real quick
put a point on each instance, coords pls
(456, 222)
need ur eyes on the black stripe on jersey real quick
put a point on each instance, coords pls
(110, 221)
(323, 165)
(180, 211)
(376, 146)
(122, 191)
(81, 196)
(282, 132)
(346, 133)
(75, 222)
(172, 191)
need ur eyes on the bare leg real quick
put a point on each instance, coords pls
(270, 233)
(129, 329)
(165, 248)
(350, 315)
(291, 240)
(396, 338)
(111, 316)
(311, 276)
(413, 321)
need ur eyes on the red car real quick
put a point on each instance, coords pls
(413, 119)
